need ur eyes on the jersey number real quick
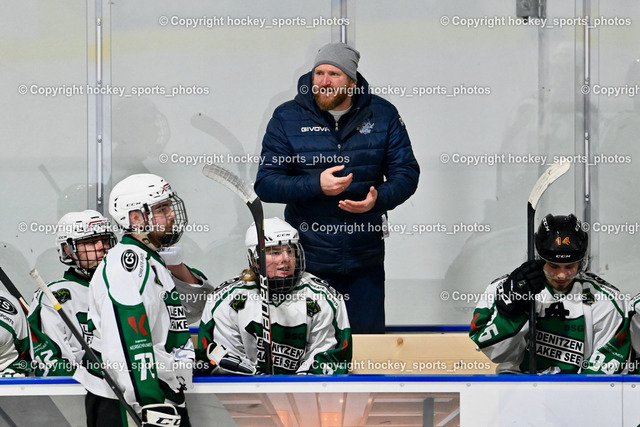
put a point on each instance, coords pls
(145, 362)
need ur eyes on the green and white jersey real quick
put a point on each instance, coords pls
(634, 310)
(585, 330)
(309, 326)
(53, 347)
(14, 338)
(140, 328)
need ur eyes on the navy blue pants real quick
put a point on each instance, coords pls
(363, 293)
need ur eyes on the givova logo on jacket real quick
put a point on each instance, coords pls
(315, 129)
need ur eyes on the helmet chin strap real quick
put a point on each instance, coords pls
(144, 238)
(147, 215)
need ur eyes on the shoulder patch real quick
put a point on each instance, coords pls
(587, 297)
(62, 295)
(129, 260)
(238, 302)
(312, 307)
(7, 307)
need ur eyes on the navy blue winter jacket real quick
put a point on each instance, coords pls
(370, 140)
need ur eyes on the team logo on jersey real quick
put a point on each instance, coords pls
(556, 310)
(587, 297)
(366, 127)
(62, 295)
(138, 325)
(7, 307)
(312, 307)
(129, 260)
(238, 302)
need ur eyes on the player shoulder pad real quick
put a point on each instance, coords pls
(591, 277)
(236, 281)
(318, 284)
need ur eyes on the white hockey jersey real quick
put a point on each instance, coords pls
(309, 326)
(585, 330)
(14, 337)
(141, 332)
(53, 347)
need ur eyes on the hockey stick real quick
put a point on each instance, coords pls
(88, 350)
(246, 193)
(13, 290)
(552, 173)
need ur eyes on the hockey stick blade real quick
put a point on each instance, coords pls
(552, 173)
(231, 181)
(88, 350)
(13, 290)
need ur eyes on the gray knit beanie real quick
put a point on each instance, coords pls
(340, 55)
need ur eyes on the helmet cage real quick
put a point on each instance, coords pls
(76, 228)
(280, 285)
(180, 221)
(72, 259)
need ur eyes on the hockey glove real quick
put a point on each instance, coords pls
(228, 364)
(172, 255)
(160, 414)
(514, 295)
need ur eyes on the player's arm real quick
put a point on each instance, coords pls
(329, 347)
(220, 350)
(15, 359)
(277, 181)
(400, 168)
(50, 340)
(501, 314)
(192, 285)
(611, 335)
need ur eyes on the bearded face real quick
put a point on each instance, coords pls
(332, 88)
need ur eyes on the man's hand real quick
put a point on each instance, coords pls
(514, 295)
(173, 257)
(334, 185)
(360, 207)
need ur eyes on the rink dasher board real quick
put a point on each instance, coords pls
(352, 383)
(484, 399)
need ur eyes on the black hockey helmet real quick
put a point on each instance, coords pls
(561, 239)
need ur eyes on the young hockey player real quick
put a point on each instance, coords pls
(310, 330)
(140, 324)
(14, 338)
(82, 240)
(582, 324)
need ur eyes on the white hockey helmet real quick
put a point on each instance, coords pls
(73, 228)
(141, 192)
(276, 233)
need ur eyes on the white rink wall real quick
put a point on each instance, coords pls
(518, 104)
(305, 401)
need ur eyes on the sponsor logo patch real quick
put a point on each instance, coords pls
(129, 260)
(7, 307)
